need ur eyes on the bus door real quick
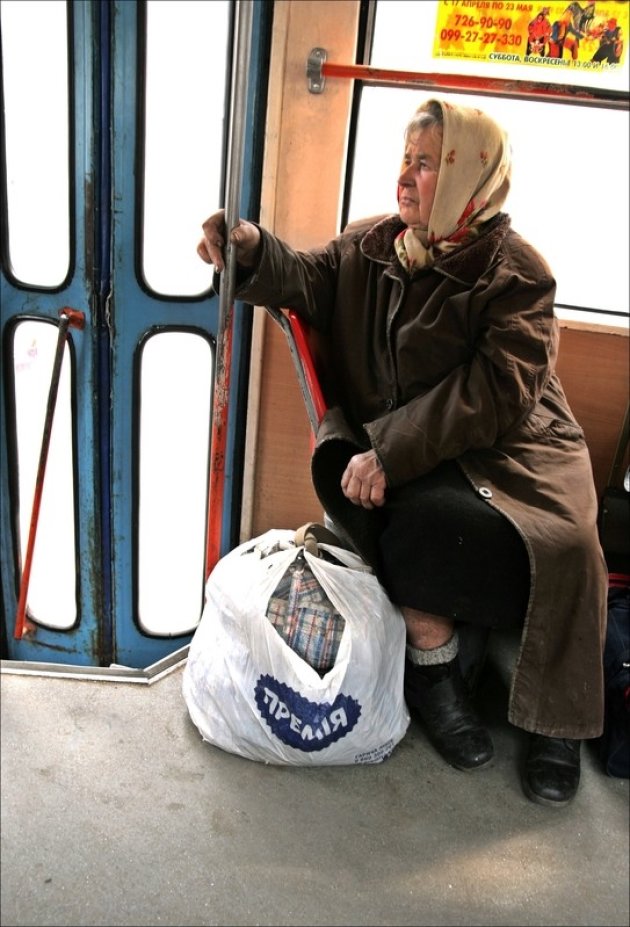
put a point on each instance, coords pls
(127, 126)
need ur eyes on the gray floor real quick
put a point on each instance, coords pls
(114, 811)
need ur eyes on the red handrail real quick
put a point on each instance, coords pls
(68, 318)
(300, 335)
(523, 89)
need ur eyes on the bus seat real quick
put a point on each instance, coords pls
(480, 647)
(301, 336)
(593, 381)
(298, 336)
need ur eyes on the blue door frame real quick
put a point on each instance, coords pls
(119, 313)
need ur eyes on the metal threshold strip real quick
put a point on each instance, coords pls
(113, 673)
(318, 69)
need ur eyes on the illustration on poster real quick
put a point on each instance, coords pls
(556, 34)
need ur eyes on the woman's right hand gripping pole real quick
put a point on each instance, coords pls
(244, 236)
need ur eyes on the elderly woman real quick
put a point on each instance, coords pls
(449, 455)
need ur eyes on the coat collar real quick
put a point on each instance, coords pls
(464, 264)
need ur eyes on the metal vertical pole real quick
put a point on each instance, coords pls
(236, 137)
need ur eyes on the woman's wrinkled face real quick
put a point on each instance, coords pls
(419, 176)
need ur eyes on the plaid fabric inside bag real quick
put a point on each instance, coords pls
(305, 618)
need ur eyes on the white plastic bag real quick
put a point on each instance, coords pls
(249, 693)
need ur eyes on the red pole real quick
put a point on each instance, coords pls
(69, 318)
(560, 93)
(218, 443)
(218, 440)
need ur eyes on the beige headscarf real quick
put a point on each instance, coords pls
(473, 183)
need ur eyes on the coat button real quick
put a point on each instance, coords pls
(485, 492)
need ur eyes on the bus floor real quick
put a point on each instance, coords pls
(115, 811)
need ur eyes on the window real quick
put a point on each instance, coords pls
(35, 86)
(52, 585)
(185, 101)
(565, 157)
(175, 412)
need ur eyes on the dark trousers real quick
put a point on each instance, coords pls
(446, 551)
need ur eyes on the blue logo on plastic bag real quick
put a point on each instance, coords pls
(300, 723)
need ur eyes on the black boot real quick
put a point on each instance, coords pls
(552, 770)
(439, 696)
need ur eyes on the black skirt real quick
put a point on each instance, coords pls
(446, 551)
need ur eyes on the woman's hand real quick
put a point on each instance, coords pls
(245, 236)
(363, 481)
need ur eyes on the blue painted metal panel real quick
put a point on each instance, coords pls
(80, 645)
(136, 312)
(119, 312)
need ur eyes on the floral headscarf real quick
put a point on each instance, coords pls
(472, 185)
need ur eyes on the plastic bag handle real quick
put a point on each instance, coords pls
(312, 534)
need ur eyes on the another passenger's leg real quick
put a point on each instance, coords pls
(552, 770)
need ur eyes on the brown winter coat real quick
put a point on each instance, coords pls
(458, 362)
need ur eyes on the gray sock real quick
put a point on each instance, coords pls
(443, 654)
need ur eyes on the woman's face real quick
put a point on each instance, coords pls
(419, 175)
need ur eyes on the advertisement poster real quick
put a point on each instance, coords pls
(589, 36)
